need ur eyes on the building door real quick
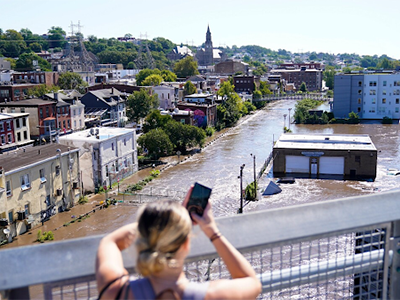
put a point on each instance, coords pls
(297, 164)
(314, 166)
(331, 165)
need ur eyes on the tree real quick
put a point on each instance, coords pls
(183, 136)
(168, 76)
(56, 37)
(186, 67)
(228, 112)
(152, 80)
(189, 88)
(41, 90)
(140, 103)
(155, 120)
(156, 143)
(303, 87)
(26, 63)
(264, 88)
(143, 74)
(72, 81)
(329, 76)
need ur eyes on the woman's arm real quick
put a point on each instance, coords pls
(109, 263)
(245, 284)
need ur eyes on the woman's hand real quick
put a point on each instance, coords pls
(206, 222)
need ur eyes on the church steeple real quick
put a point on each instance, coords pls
(208, 35)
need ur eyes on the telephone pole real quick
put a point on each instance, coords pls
(240, 210)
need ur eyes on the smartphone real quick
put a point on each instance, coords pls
(198, 199)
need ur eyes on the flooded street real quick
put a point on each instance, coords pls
(218, 166)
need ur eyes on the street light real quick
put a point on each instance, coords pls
(284, 122)
(254, 170)
(289, 116)
(240, 210)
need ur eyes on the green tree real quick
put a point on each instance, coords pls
(140, 103)
(385, 64)
(56, 37)
(72, 81)
(329, 76)
(228, 112)
(35, 47)
(184, 136)
(155, 120)
(26, 63)
(303, 87)
(186, 67)
(189, 88)
(264, 88)
(143, 74)
(152, 80)
(41, 90)
(156, 143)
(168, 76)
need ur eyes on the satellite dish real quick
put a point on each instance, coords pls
(6, 231)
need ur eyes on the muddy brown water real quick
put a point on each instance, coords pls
(218, 166)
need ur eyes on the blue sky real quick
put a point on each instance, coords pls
(339, 26)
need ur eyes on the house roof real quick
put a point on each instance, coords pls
(23, 157)
(325, 142)
(27, 102)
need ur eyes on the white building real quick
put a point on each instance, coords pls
(166, 95)
(371, 96)
(107, 154)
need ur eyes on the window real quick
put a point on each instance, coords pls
(74, 123)
(18, 136)
(372, 92)
(8, 124)
(17, 123)
(57, 170)
(124, 142)
(80, 123)
(397, 101)
(41, 113)
(64, 124)
(359, 100)
(359, 83)
(23, 121)
(358, 109)
(112, 146)
(8, 188)
(22, 109)
(47, 112)
(384, 92)
(373, 100)
(360, 92)
(1, 126)
(396, 83)
(383, 100)
(25, 183)
(372, 83)
(396, 109)
(10, 216)
(384, 83)
(396, 92)
(26, 208)
(42, 176)
(58, 110)
(25, 135)
(69, 124)
(9, 138)
(3, 139)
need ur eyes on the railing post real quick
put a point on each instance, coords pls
(394, 287)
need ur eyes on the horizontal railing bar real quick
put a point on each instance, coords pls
(75, 258)
(312, 273)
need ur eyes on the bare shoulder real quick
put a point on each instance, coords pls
(240, 288)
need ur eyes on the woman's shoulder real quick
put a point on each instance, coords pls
(195, 290)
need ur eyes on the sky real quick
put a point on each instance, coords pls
(364, 27)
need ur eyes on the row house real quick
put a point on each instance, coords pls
(37, 77)
(203, 114)
(246, 84)
(311, 77)
(15, 92)
(42, 115)
(111, 102)
(107, 155)
(167, 95)
(14, 131)
(36, 183)
(76, 108)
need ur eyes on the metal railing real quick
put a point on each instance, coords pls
(340, 249)
(320, 97)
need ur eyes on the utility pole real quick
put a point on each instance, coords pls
(284, 122)
(254, 170)
(240, 210)
(289, 116)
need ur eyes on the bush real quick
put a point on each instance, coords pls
(209, 131)
(45, 236)
(387, 120)
(83, 200)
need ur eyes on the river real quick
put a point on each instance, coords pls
(218, 166)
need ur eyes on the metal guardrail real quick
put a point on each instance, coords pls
(339, 249)
(294, 97)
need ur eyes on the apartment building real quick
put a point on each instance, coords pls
(371, 96)
(107, 154)
(36, 183)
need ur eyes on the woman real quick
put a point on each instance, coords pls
(162, 237)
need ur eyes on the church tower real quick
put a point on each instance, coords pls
(208, 49)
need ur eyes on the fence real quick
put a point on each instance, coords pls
(339, 249)
(321, 97)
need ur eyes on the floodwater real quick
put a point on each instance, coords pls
(218, 166)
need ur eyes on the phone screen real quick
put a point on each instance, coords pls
(198, 199)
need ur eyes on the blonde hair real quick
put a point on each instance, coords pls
(162, 228)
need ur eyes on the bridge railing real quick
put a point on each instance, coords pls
(314, 96)
(339, 249)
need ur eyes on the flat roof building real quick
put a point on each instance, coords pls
(325, 156)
